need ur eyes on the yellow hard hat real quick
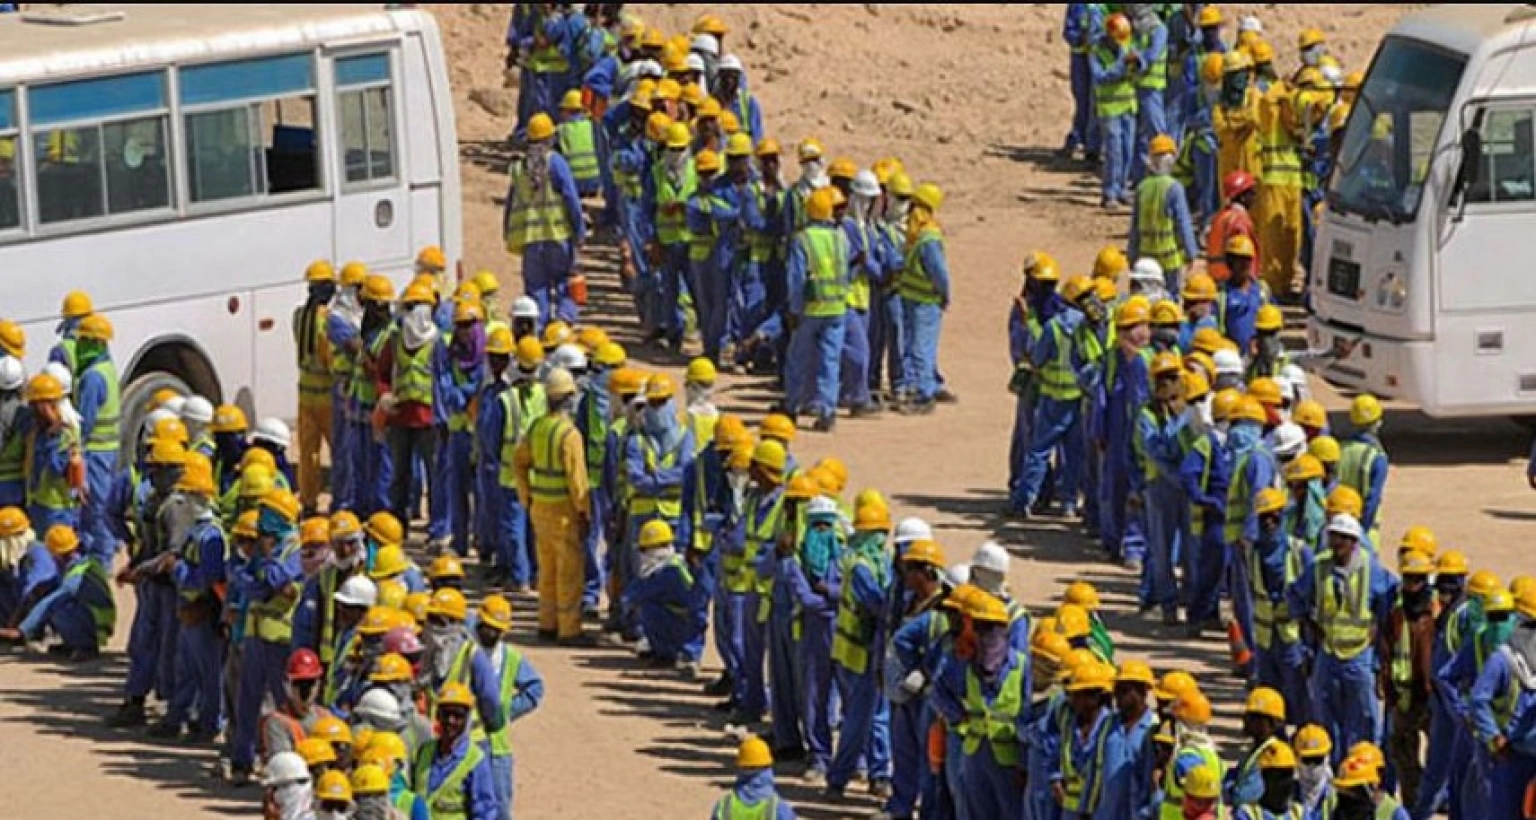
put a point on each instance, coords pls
(1210, 16)
(432, 258)
(778, 426)
(1421, 539)
(446, 566)
(1326, 449)
(1266, 391)
(377, 288)
(1074, 288)
(320, 271)
(731, 127)
(1249, 409)
(1413, 562)
(1277, 755)
(1305, 467)
(229, 419)
(392, 595)
(929, 196)
(901, 185)
(1134, 311)
(1239, 245)
(770, 454)
(77, 304)
(1200, 288)
(1519, 585)
(679, 136)
(1091, 677)
(448, 603)
(730, 432)
(1041, 267)
(496, 612)
(1484, 583)
(1262, 52)
(1269, 320)
(332, 729)
(486, 282)
(416, 604)
(166, 453)
(1163, 144)
(707, 162)
(284, 503)
(455, 694)
(1525, 602)
(1269, 500)
(245, 525)
(1167, 312)
(820, 204)
(314, 530)
(1135, 671)
(386, 746)
(571, 101)
(1365, 410)
(1356, 772)
(660, 388)
(769, 147)
(13, 522)
(754, 754)
(369, 780)
(988, 609)
(385, 528)
(95, 327)
(810, 149)
(353, 274)
(1193, 706)
(1049, 644)
(530, 354)
(708, 108)
(1083, 594)
(924, 551)
(316, 751)
(1202, 783)
(174, 429)
(540, 128)
(1167, 362)
(1310, 413)
(44, 387)
(61, 540)
(1225, 405)
(610, 354)
(389, 562)
(701, 371)
(416, 294)
(13, 339)
(1267, 702)
(499, 342)
(556, 333)
(466, 311)
(1174, 684)
(1343, 501)
(1309, 37)
(1106, 289)
(1110, 263)
(802, 488)
(872, 517)
(655, 534)
(1498, 602)
(1212, 67)
(392, 668)
(1072, 621)
(1313, 741)
(656, 125)
(842, 168)
(1196, 385)
(1206, 340)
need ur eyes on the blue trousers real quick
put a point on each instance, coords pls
(854, 373)
(455, 475)
(1165, 510)
(819, 704)
(909, 758)
(486, 511)
(152, 640)
(1282, 667)
(199, 666)
(1204, 561)
(666, 307)
(263, 673)
(593, 592)
(747, 303)
(920, 327)
(885, 342)
(816, 351)
(526, 100)
(1093, 481)
(514, 540)
(1179, 102)
(1345, 694)
(1444, 756)
(95, 535)
(1240, 589)
(673, 636)
(502, 780)
(1085, 126)
(1123, 532)
(952, 802)
(69, 619)
(1205, 199)
(711, 290)
(1054, 429)
(786, 682)
(547, 88)
(991, 789)
(751, 689)
(633, 226)
(546, 277)
(375, 473)
(1119, 144)
(866, 731)
(1039, 802)
(727, 625)
(1150, 121)
(344, 454)
(1018, 449)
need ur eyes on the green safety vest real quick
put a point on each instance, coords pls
(1385, 810)
(336, 667)
(446, 802)
(1072, 781)
(1357, 459)
(106, 434)
(13, 457)
(1115, 98)
(343, 370)
(547, 481)
(826, 276)
(363, 387)
(511, 665)
(627, 181)
(994, 722)
(536, 215)
(576, 145)
(763, 245)
(67, 346)
(1149, 470)
(1254, 812)
(1159, 237)
(517, 413)
(914, 283)
(1271, 619)
(701, 245)
(597, 443)
(669, 504)
(672, 228)
(309, 339)
(1201, 445)
(1346, 624)
(50, 489)
(1173, 791)
(272, 620)
(1239, 499)
(1155, 77)
(192, 556)
(413, 373)
(1057, 378)
(732, 807)
(858, 285)
(740, 570)
(1401, 667)
(1279, 157)
(853, 632)
(104, 617)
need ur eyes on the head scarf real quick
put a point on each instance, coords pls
(992, 650)
(14, 548)
(820, 548)
(662, 426)
(418, 326)
(468, 347)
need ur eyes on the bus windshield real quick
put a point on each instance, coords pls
(1393, 129)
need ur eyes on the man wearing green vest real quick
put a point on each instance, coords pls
(1254, 467)
(13, 432)
(77, 306)
(1148, 61)
(403, 375)
(100, 406)
(924, 288)
(452, 772)
(817, 276)
(543, 222)
(1194, 750)
(1114, 102)
(1407, 678)
(550, 466)
(1363, 461)
(666, 597)
(520, 690)
(1275, 562)
(539, 39)
(754, 796)
(372, 467)
(1058, 404)
(576, 140)
(674, 179)
(80, 610)
(862, 591)
(1161, 227)
(594, 418)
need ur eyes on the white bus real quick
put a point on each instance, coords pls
(183, 164)
(1425, 252)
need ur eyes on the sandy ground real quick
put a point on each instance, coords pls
(973, 98)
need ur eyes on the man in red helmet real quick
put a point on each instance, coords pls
(282, 728)
(1239, 189)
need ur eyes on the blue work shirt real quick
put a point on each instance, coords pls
(527, 687)
(1129, 392)
(1205, 474)
(212, 553)
(950, 688)
(453, 390)
(563, 184)
(1376, 482)
(70, 589)
(1255, 466)
(1238, 311)
(90, 395)
(931, 254)
(1083, 25)
(798, 269)
(655, 480)
(1128, 777)
(259, 578)
(1113, 72)
(1302, 596)
(479, 787)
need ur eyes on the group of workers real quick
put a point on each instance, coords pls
(837, 283)
(1172, 109)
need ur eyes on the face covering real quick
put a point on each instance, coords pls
(1354, 804)
(1268, 348)
(536, 163)
(1161, 165)
(698, 395)
(1165, 338)
(1311, 55)
(1497, 633)
(1234, 88)
(293, 800)
(813, 174)
(13, 548)
(331, 815)
(991, 650)
(1312, 781)
(1417, 602)
(373, 807)
(819, 549)
(443, 643)
(675, 161)
(468, 348)
(652, 560)
(1245, 436)
(418, 327)
(1279, 785)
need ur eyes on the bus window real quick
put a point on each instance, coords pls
(100, 146)
(250, 127)
(1508, 172)
(10, 203)
(366, 109)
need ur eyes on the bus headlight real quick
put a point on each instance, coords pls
(1392, 292)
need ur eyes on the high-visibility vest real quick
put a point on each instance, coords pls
(536, 215)
(364, 389)
(596, 441)
(672, 227)
(1255, 812)
(336, 668)
(67, 346)
(272, 620)
(732, 807)
(702, 243)
(1155, 76)
(853, 633)
(915, 284)
(103, 616)
(762, 246)
(1057, 378)
(518, 411)
(1114, 98)
(192, 556)
(578, 148)
(858, 285)
(1201, 445)
(669, 503)
(995, 722)
(413, 373)
(1279, 151)
(1074, 801)
(13, 457)
(740, 570)
(446, 802)
(546, 57)
(50, 489)
(1357, 459)
(703, 427)
(1149, 467)
(511, 666)
(1250, 761)
(1240, 497)
(1173, 790)
(1274, 619)
(1401, 668)
(343, 370)
(677, 608)
(106, 434)
(547, 481)
(826, 276)
(1159, 236)
(1345, 621)
(309, 339)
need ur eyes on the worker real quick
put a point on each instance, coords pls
(1277, 799)
(799, 635)
(1148, 60)
(406, 398)
(1264, 726)
(1253, 468)
(1277, 208)
(1054, 427)
(594, 418)
(27, 570)
(1339, 599)
(984, 699)
(658, 460)
(915, 654)
(269, 581)
(287, 787)
(1305, 514)
(494, 514)
(311, 340)
(1276, 560)
(76, 306)
(1083, 21)
(1357, 792)
(78, 606)
(864, 581)
(1027, 315)
(1454, 621)
(1239, 188)
(520, 690)
(373, 469)
(297, 712)
(1115, 101)
(1314, 774)
(1241, 297)
(1161, 227)
(754, 794)
(674, 178)
(389, 752)
(458, 366)
(1126, 782)
(576, 141)
(1406, 678)
(1236, 118)
(664, 594)
(1492, 620)
(343, 341)
(551, 474)
(741, 554)
(454, 655)
(198, 414)
(886, 314)
(747, 224)
(100, 409)
(334, 732)
(1194, 752)
(52, 456)
(452, 772)
(1203, 473)
(757, 286)
(705, 262)
(1156, 494)
(1500, 712)
(874, 266)
(818, 265)
(1363, 464)
(1049, 718)
(1128, 389)
(13, 432)
(543, 222)
(1091, 748)
(519, 406)
(989, 568)
(1093, 345)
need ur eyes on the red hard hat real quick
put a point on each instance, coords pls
(402, 641)
(1236, 184)
(304, 664)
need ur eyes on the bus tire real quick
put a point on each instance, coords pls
(176, 366)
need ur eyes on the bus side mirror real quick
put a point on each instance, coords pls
(1471, 165)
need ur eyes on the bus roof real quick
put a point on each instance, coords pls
(86, 39)
(1463, 28)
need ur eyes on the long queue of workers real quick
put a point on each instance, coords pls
(1172, 110)
(837, 283)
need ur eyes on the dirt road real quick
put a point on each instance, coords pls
(987, 89)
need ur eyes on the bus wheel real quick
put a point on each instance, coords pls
(136, 407)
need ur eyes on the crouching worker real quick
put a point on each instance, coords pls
(80, 611)
(668, 600)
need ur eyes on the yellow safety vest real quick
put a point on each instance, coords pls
(853, 632)
(413, 373)
(858, 286)
(576, 145)
(106, 434)
(826, 276)
(103, 617)
(1155, 78)
(446, 802)
(535, 215)
(1173, 790)
(50, 489)
(732, 807)
(1073, 781)
(672, 227)
(547, 481)
(1201, 445)
(995, 722)
(740, 569)
(517, 413)
(1115, 98)
(915, 284)
(1345, 622)
(309, 339)
(1057, 378)
(1271, 619)
(272, 620)
(1159, 238)
(1279, 153)
(669, 504)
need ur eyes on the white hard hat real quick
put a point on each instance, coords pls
(358, 591)
(153, 418)
(175, 404)
(958, 575)
(1290, 440)
(821, 505)
(569, 357)
(1345, 524)
(525, 308)
(865, 183)
(378, 707)
(1297, 378)
(913, 529)
(13, 374)
(707, 44)
(1252, 24)
(992, 557)
(1147, 270)
(694, 62)
(58, 371)
(650, 68)
(285, 768)
(272, 431)
(197, 410)
(1228, 363)
(730, 62)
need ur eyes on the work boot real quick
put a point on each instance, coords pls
(240, 777)
(825, 424)
(547, 636)
(689, 669)
(164, 731)
(921, 408)
(867, 411)
(720, 687)
(946, 396)
(1170, 619)
(728, 706)
(815, 777)
(880, 789)
(130, 713)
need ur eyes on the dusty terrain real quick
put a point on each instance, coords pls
(973, 98)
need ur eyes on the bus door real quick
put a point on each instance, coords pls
(373, 200)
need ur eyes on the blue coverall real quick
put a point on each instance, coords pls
(1023, 333)
(1252, 465)
(479, 787)
(1500, 687)
(373, 470)
(263, 665)
(754, 787)
(454, 391)
(921, 324)
(734, 214)
(789, 684)
(66, 609)
(26, 581)
(1448, 738)
(1157, 447)
(813, 374)
(493, 508)
(1455, 680)
(918, 644)
(514, 534)
(1151, 46)
(1094, 756)
(199, 650)
(527, 692)
(345, 449)
(1092, 348)
(758, 273)
(1129, 390)
(1054, 427)
(593, 417)
(631, 169)
(1128, 778)
(100, 465)
(1048, 716)
(152, 637)
(547, 266)
(667, 603)
(547, 86)
(1083, 26)
(1281, 666)
(1238, 311)
(865, 735)
(1205, 473)
(1118, 133)
(1375, 489)
(885, 312)
(50, 457)
(991, 789)
(751, 693)
(869, 261)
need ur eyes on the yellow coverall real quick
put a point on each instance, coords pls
(314, 349)
(1237, 137)
(1277, 208)
(552, 454)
